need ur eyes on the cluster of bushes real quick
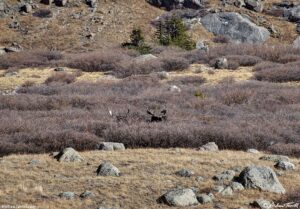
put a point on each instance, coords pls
(34, 58)
(236, 116)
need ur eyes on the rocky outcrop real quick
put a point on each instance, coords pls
(259, 177)
(236, 27)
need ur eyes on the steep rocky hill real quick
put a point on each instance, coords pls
(81, 25)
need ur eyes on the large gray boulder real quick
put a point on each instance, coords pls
(111, 146)
(68, 155)
(179, 198)
(259, 177)
(107, 169)
(235, 26)
(296, 43)
(294, 14)
(177, 4)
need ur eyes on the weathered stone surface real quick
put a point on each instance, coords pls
(67, 195)
(205, 198)
(236, 186)
(253, 151)
(284, 165)
(185, 173)
(227, 175)
(177, 4)
(275, 158)
(174, 89)
(296, 43)
(227, 191)
(259, 177)
(262, 204)
(68, 155)
(145, 58)
(235, 26)
(294, 14)
(210, 146)
(86, 194)
(179, 198)
(111, 146)
(107, 169)
(255, 5)
(221, 63)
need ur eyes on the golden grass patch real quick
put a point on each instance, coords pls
(146, 174)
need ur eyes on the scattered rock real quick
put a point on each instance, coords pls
(185, 173)
(27, 8)
(61, 3)
(235, 26)
(68, 155)
(179, 198)
(221, 63)
(67, 195)
(255, 5)
(163, 75)
(275, 158)
(2, 52)
(111, 146)
(107, 169)
(11, 74)
(34, 162)
(227, 175)
(284, 165)
(253, 151)
(262, 204)
(294, 14)
(199, 178)
(13, 48)
(205, 198)
(259, 177)
(227, 191)
(236, 186)
(145, 58)
(210, 146)
(174, 88)
(86, 194)
(92, 3)
(218, 188)
(201, 45)
(59, 69)
(296, 43)
(47, 2)
(239, 3)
